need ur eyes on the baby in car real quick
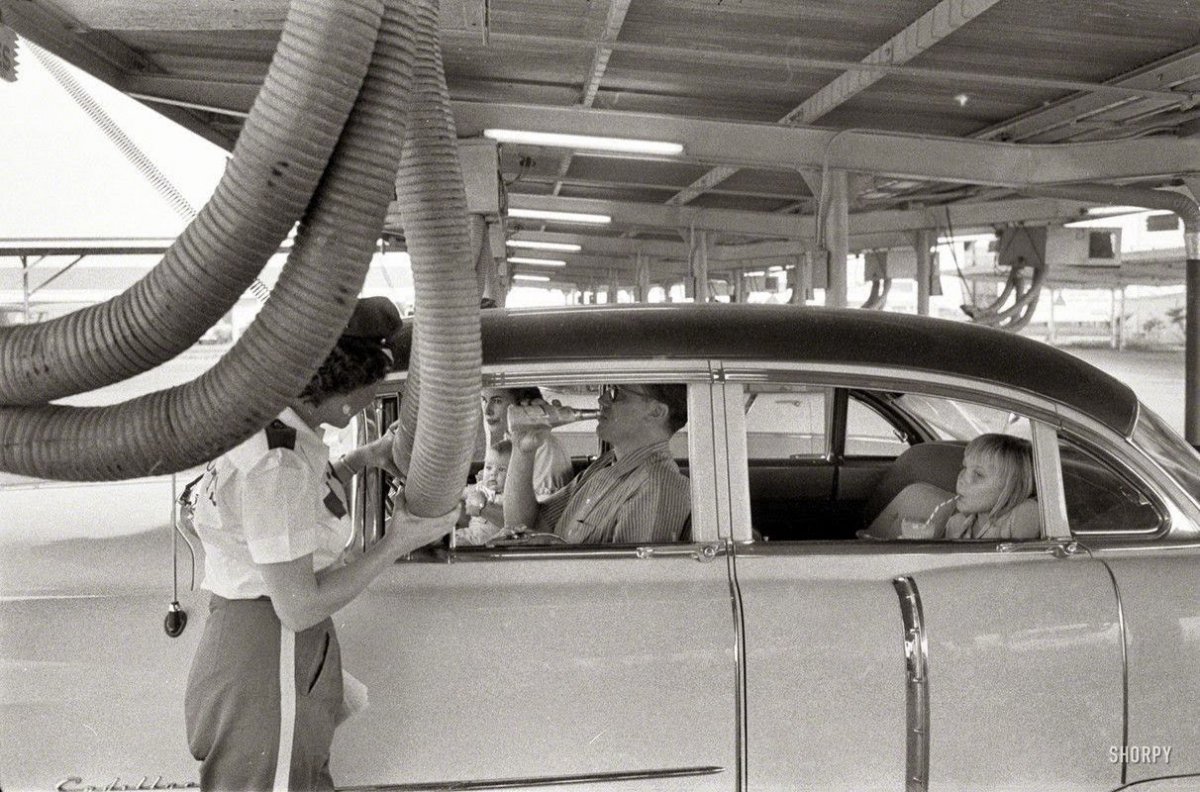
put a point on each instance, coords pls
(483, 502)
(993, 498)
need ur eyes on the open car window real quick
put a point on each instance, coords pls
(614, 504)
(807, 484)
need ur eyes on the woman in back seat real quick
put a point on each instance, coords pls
(993, 498)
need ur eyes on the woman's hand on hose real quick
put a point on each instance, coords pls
(407, 532)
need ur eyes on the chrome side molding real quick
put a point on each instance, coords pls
(916, 656)
(536, 781)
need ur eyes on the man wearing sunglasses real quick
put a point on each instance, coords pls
(634, 493)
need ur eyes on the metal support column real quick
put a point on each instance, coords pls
(698, 264)
(1113, 319)
(804, 268)
(923, 242)
(1050, 334)
(485, 267)
(1191, 365)
(643, 278)
(25, 288)
(837, 237)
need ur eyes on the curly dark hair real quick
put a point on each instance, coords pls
(353, 363)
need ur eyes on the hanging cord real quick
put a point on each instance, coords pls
(968, 290)
(161, 183)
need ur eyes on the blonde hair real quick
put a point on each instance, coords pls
(1013, 457)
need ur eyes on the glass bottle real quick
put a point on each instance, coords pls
(547, 415)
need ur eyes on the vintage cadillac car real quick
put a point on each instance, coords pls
(770, 649)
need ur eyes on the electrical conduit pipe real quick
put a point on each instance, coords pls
(1187, 209)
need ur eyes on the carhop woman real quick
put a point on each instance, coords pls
(265, 687)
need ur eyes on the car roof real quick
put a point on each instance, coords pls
(800, 334)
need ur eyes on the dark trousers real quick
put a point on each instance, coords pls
(249, 731)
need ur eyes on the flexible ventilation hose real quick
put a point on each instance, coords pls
(312, 83)
(126, 145)
(446, 347)
(180, 427)
(177, 428)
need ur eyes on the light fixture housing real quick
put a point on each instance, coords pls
(537, 261)
(534, 244)
(562, 217)
(661, 148)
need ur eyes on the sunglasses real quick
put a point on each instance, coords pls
(614, 392)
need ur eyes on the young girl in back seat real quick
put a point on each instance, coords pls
(993, 498)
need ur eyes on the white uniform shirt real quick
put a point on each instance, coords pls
(269, 500)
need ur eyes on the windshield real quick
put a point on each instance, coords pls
(1153, 436)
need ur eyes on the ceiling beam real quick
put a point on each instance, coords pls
(925, 157)
(614, 19)
(934, 25)
(99, 54)
(794, 62)
(963, 218)
(1164, 76)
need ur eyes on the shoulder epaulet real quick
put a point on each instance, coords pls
(280, 435)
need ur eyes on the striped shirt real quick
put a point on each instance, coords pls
(640, 498)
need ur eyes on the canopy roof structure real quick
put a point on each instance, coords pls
(941, 112)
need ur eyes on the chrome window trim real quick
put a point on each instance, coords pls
(1042, 414)
(1048, 481)
(699, 551)
(706, 450)
(1178, 508)
(1181, 513)
(916, 669)
(696, 374)
(1124, 669)
(534, 372)
(741, 716)
(984, 392)
(542, 781)
(733, 492)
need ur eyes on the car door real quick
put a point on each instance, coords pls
(886, 665)
(91, 684)
(1144, 526)
(610, 667)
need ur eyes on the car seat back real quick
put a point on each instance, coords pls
(935, 463)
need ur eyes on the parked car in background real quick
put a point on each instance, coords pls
(770, 649)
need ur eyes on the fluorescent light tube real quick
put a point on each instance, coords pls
(565, 217)
(539, 278)
(537, 261)
(585, 142)
(532, 244)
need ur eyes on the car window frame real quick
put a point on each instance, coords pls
(705, 526)
(1040, 412)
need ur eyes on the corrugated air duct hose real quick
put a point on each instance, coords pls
(318, 74)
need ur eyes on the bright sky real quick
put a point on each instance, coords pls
(62, 177)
